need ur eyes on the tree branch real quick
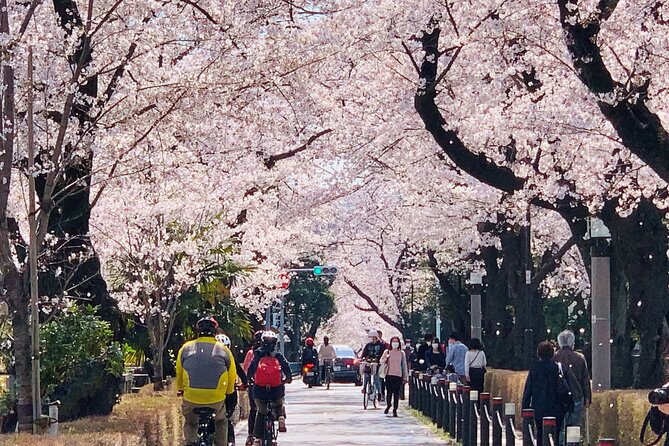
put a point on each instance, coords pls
(373, 307)
(552, 263)
(271, 160)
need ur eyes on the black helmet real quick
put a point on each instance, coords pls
(206, 326)
(257, 338)
(269, 339)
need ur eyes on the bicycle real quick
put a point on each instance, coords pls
(370, 388)
(205, 426)
(329, 372)
(270, 433)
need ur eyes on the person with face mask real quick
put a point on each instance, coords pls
(435, 357)
(397, 374)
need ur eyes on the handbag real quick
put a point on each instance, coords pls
(383, 370)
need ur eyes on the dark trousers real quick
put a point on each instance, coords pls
(252, 411)
(393, 386)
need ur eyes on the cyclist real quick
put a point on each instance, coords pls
(253, 411)
(310, 356)
(269, 370)
(371, 354)
(206, 376)
(326, 353)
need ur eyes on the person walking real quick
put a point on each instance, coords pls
(541, 390)
(435, 357)
(576, 371)
(397, 373)
(456, 355)
(475, 362)
(419, 363)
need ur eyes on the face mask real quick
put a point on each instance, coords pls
(395, 344)
(435, 346)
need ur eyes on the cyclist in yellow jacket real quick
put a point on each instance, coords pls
(206, 376)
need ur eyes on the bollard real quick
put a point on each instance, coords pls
(509, 423)
(485, 419)
(497, 409)
(445, 406)
(466, 420)
(412, 390)
(458, 413)
(53, 418)
(439, 401)
(528, 427)
(473, 417)
(452, 410)
(421, 393)
(433, 402)
(550, 431)
(607, 442)
(573, 435)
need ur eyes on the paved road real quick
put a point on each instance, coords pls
(335, 417)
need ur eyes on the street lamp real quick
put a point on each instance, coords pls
(476, 282)
(600, 302)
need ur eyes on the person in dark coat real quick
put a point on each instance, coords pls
(541, 390)
(435, 357)
(420, 353)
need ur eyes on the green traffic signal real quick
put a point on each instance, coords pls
(325, 270)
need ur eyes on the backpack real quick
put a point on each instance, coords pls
(268, 373)
(564, 391)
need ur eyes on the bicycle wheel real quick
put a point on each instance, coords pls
(269, 429)
(328, 377)
(374, 400)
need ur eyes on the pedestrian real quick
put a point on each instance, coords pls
(397, 373)
(576, 371)
(435, 357)
(419, 364)
(456, 355)
(383, 379)
(475, 362)
(541, 390)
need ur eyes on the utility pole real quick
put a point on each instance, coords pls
(528, 335)
(34, 311)
(600, 303)
(476, 282)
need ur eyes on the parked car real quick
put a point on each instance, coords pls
(346, 368)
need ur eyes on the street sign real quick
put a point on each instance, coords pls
(284, 280)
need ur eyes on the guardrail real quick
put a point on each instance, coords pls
(471, 419)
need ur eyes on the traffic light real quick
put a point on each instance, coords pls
(321, 270)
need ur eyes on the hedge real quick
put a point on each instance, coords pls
(145, 419)
(615, 414)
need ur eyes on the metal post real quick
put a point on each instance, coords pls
(412, 390)
(268, 318)
(601, 315)
(445, 414)
(433, 401)
(466, 420)
(573, 435)
(528, 427)
(476, 281)
(458, 412)
(509, 424)
(485, 419)
(549, 431)
(438, 324)
(497, 410)
(473, 417)
(34, 291)
(528, 335)
(439, 402)
(453, 409)
(282, 331)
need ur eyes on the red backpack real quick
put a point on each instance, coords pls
(268, 373)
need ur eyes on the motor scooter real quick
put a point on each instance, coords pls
(309, 375)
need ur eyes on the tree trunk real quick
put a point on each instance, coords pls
(639, 242)
(19, 308)
(156, 328)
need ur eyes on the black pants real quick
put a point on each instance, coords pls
(393, 386)
(252, 411)
(476, 378)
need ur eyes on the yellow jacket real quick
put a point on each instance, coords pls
(206, 371)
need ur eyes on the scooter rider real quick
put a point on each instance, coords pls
(310, 356)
